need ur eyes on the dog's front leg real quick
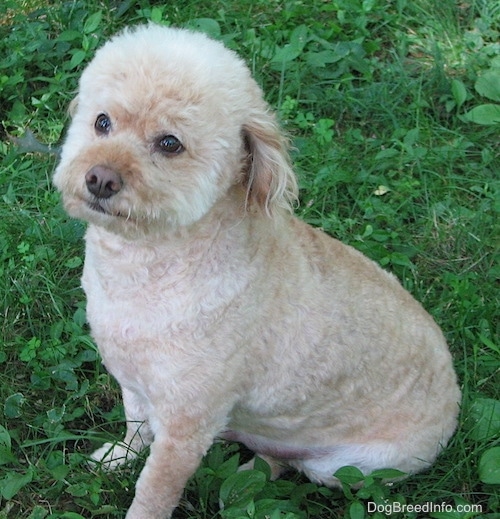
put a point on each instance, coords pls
(172, 461)
(137, 437)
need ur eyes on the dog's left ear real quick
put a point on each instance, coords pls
(269, 178)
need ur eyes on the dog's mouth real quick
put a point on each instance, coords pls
(98, 207)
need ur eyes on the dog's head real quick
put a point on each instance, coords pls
(165, 124)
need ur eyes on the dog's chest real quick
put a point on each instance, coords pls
(143, 306)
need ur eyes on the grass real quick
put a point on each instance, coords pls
(395, 156)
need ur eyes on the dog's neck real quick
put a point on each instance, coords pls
(229, 230)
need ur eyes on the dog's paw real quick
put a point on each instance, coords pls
(111, 455)
(276, 467)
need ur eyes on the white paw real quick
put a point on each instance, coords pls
(277, 467)
(247, 466)
(110, 456)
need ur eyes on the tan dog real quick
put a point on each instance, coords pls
(218, 312)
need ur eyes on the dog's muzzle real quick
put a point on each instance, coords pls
(103, 182)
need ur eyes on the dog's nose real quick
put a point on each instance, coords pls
(103, 182)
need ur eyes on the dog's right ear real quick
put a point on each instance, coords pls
(73, 105)
(269, 178)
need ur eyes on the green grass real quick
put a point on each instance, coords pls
(380, 99)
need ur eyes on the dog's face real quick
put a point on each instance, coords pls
(165, 123)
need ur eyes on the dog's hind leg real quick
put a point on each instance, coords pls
(137, 437)
(366, 457)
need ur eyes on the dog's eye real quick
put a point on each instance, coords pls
(102, 124)
(169, 144)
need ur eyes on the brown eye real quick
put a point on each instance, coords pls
(102, 124)
(169, 145)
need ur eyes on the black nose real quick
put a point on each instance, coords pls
(103, 182)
